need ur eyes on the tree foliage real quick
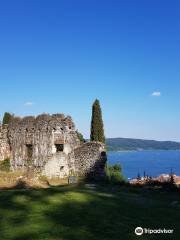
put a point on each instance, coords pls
(116, 167)
(97, 126)
(7, 118)
(80, 136)
(114, 174)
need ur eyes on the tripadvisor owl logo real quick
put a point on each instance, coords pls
(139, 231)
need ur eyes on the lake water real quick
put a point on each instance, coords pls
(153, 163)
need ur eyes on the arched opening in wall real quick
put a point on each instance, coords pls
(29, 151)
(59, 147)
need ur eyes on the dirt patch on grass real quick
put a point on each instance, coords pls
(25, 180)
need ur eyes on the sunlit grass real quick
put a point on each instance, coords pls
(84, 213)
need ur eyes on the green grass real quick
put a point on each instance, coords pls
(85, 213)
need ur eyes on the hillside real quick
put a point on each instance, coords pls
(117, 144)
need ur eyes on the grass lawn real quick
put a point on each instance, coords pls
(86, 213)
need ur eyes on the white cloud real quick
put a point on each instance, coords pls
(28, 104)
(156, 94)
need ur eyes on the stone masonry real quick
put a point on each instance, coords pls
(4, 143)
(50, 145)
(90, 159)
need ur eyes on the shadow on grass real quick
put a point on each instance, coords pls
(78, 213)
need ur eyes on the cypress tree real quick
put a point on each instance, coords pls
(97, 126)
(7, 118)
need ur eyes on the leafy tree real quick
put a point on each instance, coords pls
(7, 118)
(80, 136)
(116, 167)
(114, 174)
(97, 126)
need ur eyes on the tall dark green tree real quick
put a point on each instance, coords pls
(7, 118)
(97, 126)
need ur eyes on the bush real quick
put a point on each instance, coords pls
(117, 177)
(5, 165)
(115, 168)
(80, 136)
(114, 174)
(7, 118)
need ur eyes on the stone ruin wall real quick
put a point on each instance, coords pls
(90, 160)
(4, 143)
(41, 134)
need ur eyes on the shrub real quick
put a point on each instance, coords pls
(80, 136)
(114, 174)
(117, 177)
(5, 165)
(115, 168)
(7, 118)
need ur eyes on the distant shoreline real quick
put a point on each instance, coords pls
(143, 150)
(130, 144)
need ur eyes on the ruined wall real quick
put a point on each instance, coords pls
(90, 160)
(35, 142)
(4, 143)
(49, 144)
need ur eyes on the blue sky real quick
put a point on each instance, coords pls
(58, 56)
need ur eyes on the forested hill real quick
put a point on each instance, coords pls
(118, 144)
